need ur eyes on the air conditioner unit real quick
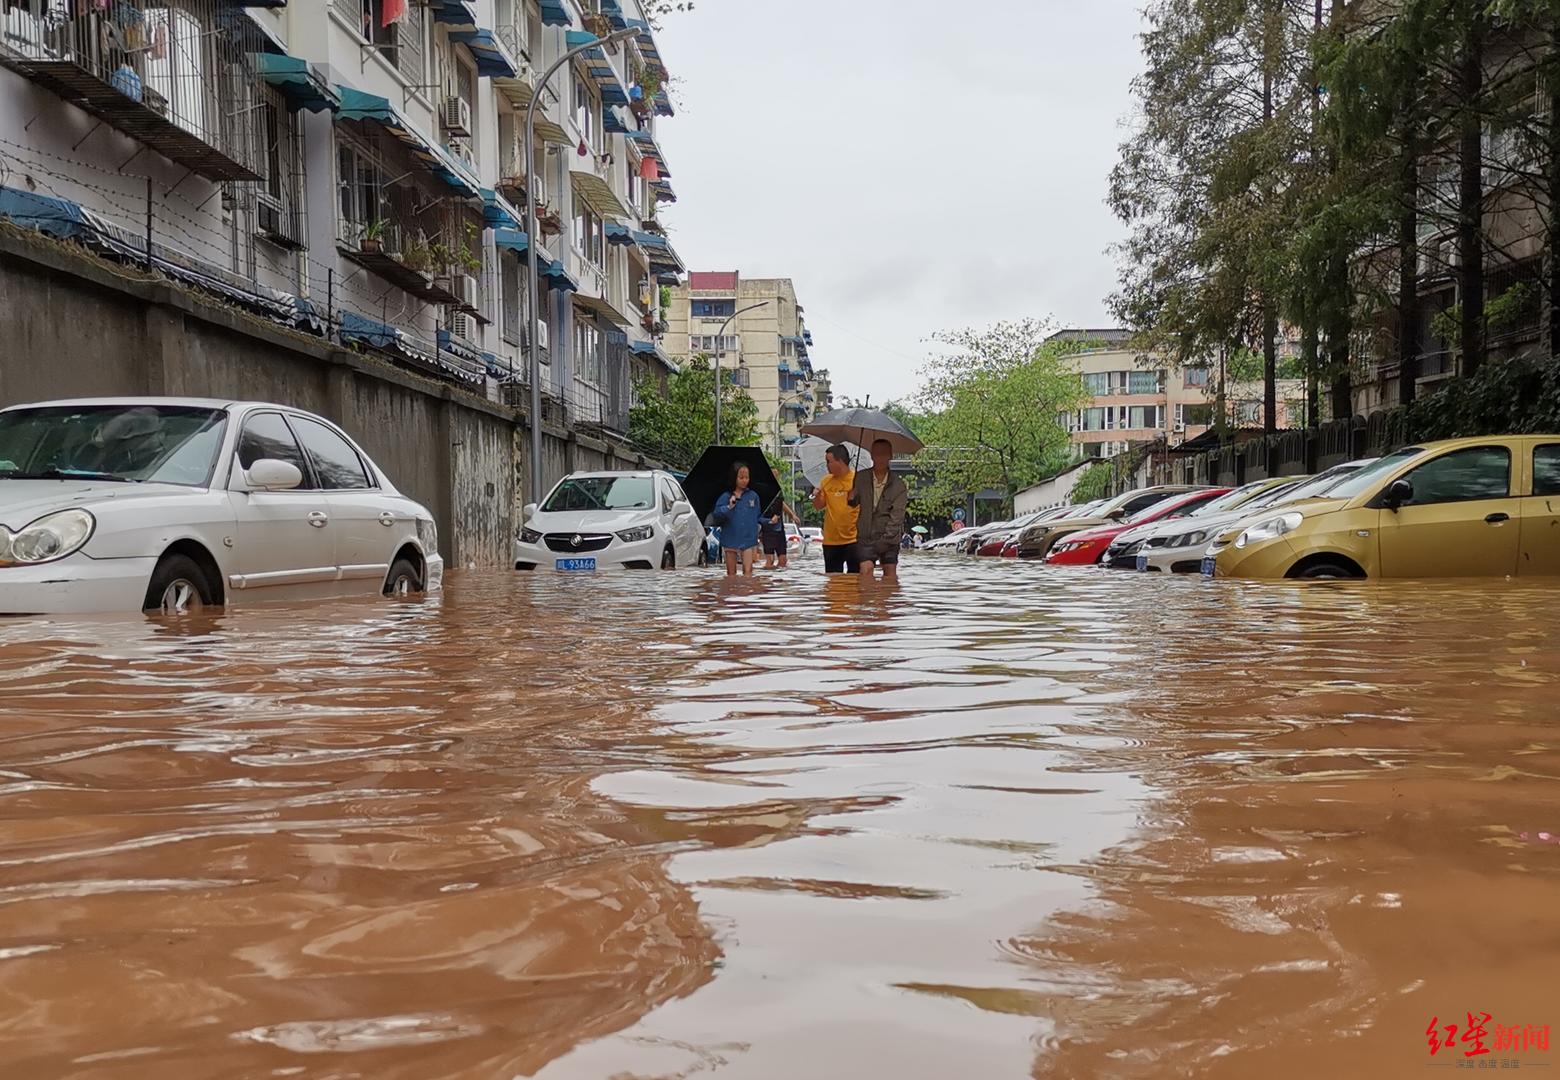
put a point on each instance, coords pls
(461, 148)
(541, 333)
(463, 326)
(268, 218)
(464, 286)
(456, 116)
(1180, 426)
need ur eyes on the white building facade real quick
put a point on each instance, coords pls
(355, 168)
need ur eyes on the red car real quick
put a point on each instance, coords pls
(1086, 548)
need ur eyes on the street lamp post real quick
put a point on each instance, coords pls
(719, 340)
(532, 301)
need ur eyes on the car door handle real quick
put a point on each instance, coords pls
(318, 518)
(387, 519)
(1496, 519)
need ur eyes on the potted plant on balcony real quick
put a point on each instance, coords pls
(419, 257)
(549, 221)
(372, 239)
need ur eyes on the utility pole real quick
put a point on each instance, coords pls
(534, 356)
(719, 373)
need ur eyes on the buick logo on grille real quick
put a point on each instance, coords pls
(576, 540)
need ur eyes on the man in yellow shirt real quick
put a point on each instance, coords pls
(832, 496)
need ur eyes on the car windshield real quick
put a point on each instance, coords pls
(1364, 479)
(127, 443)
(601, 493)
(1230, 500)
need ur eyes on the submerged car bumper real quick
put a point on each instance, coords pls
(1181, 560)
(640, 555)
(77, 585)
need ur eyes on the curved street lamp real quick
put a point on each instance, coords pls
(719, 340)
(532, 302)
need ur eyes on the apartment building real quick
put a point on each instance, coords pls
(1131, 403)
(759, 333)
(354, 168)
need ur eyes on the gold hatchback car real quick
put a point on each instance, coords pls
(1481, 507)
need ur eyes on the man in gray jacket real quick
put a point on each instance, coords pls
(881, 498)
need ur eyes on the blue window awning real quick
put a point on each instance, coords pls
(554, 13)
(556, 277)
(600, 68)
(300, 82)
(612, 122)
(356, 105)
(454, 12)
(613, 10)
(512, 240)
(647, 46)
(663, 190)
(619, 233)
(498, 212)
(648, 147)
(650, 348)
(493, 61)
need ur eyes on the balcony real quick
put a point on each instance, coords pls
(382, 247)
(520, 87)
(165, 72)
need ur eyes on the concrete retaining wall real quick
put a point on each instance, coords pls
(72, 325)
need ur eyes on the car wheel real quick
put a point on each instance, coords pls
(668, 558)
(404, 580)
(1325, 570)
(178, 587)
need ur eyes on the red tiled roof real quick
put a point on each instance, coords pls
(711, 280)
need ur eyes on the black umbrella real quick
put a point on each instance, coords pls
(862, 426)
(711, 476)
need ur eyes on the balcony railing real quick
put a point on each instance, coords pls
(171, 73)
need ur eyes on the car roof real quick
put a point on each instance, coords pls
(645, 473)
(192, 402)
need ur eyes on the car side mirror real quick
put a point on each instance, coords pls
(269, 474)
(1116, 514)
(1398, 492)
(528, 511)
(681, 507)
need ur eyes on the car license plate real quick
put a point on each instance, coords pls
(1207, 566)
(1142, 562)
(575, 564)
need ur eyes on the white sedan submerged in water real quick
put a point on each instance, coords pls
(170, 504)
(611, 520)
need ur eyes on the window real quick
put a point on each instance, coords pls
(1196, 376)
(712, 309)
(361, 184)
(601, 493)
(166, 444)
(590, 238)
(1546, 470)
(1145, 382)
(1118, 382)
(1140, 417)
(511, 273)
(1193, 415)
(709, 343)
(266, 435)
(1247, 413)
(585, 111)
(1096, 384)
(587, 349)
(401, 42)
(1094, 419)
(1141, 502)
(787, 348)
(667, 498)
(1480, 472)
(335, 462)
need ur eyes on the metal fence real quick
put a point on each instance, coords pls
(172, 73)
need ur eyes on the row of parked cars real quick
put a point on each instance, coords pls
(1459, 508)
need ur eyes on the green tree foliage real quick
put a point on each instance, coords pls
(676, 426)
(987, 413)
(1093, 484)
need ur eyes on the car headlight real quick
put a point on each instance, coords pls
(51, 537)
(428, 534)
(634, 536)
(1271, 529)
(530, 536)
(1192, 538)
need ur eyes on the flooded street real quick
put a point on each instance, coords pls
(1002, 821)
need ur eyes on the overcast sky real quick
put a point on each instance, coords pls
(913, 165)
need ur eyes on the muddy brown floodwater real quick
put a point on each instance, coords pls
(1004, 821)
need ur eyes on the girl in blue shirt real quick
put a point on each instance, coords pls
(737, 513)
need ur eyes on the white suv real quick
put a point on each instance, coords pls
(610, 520)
